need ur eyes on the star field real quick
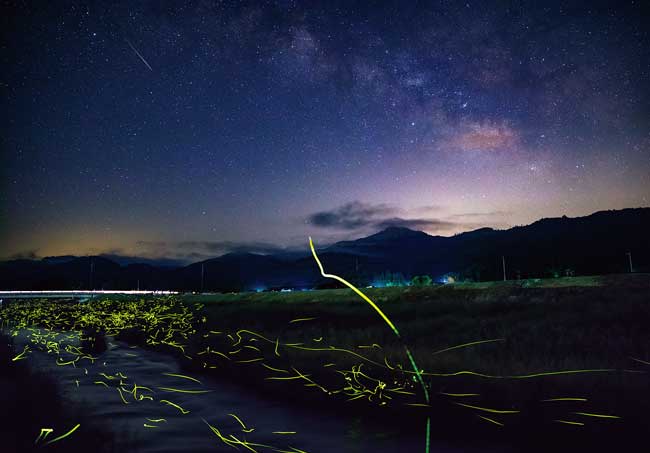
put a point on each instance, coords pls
(190, 130)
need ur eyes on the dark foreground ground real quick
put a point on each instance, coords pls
(556, 364)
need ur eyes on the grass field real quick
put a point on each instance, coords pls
(552, 358)
(543, 326)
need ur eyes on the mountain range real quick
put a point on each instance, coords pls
(594, 244)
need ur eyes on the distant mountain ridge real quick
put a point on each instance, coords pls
(594, 244)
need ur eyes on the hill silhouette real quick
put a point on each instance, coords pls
(594, 244)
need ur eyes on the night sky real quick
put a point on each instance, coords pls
(161, 130)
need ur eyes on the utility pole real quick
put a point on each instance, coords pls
(629, 257)
(503, 261)
(138, 284)
(92, 268)
(202, 275)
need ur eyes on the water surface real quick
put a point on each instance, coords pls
(95, 386)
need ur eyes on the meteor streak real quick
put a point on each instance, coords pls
(138, 54)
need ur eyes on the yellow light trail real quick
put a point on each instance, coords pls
(239, 420)
(63, 436)
(301, 320)
(390, 324)
(473, 343)
(567, 422)
(182, 376)
(122, 396)
(274, 369)
(258, 359)
(183, 411)
(487, 409)
(353, 288)
(43, 434)
(490, 420)
(21, 355)
(459, 394)
(169, 389)
(587, 414)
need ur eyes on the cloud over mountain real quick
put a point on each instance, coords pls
(357, 215)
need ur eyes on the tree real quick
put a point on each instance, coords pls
(389, 278)
(421, 280)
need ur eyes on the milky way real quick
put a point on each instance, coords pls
(157, 129)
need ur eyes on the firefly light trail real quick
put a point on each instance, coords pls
(390, 324)
(174, 326)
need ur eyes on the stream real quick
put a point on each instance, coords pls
(155, 426)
